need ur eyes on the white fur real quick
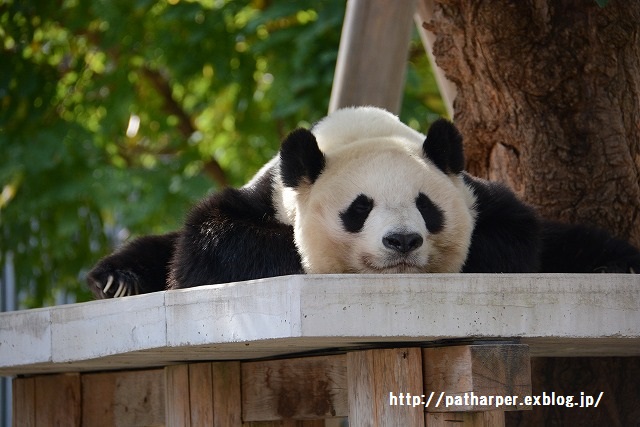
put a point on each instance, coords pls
(347, 125)
(369, 151)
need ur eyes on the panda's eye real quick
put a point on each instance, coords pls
(431, 213)
(356, 214)
(362, 204)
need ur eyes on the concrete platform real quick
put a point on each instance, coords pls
(557, 315)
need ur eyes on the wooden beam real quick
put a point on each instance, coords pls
(203, 394)
(296, 392)
(372, 57)
(24, 402)
(295, 389)
(227, 396)
(48, 400)
(287, 423)
(58, 400)
(465, 419)
(373, 375)
(201, 399)
(177, 406)
(128, 398)
(469, 374)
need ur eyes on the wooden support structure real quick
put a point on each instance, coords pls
(487, 370)
(374, 48)
(308, 351)
(372, 58)
(376, 387)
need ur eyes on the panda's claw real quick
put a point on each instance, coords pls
(121, 288)
(109, 282)
(108, 285)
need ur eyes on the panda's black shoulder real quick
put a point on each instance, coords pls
(494, 199)
(234, 235)
(506, 234)
(231, 217)
(253, 201)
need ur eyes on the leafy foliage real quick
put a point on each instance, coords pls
(116, 116)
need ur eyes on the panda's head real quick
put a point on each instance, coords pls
(381, 201)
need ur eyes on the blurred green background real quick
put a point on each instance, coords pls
(115, 116)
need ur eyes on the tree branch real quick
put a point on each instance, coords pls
(185, 125)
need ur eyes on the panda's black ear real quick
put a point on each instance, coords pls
(300, 158)
(443, 147)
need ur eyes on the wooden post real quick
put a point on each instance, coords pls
(475, 382)
(177, 408)
(47, 400)
(465, 419)
(24, 402)
(287, 423)
(373, 375)
(128, 398)
(203, 394)
(377, 387)
(227, 396)
(305, 388)
(372, 57)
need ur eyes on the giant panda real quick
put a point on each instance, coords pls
(360, 192)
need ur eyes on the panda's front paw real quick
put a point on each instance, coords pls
(105, 283)
(629, 265)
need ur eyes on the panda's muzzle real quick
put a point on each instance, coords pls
(402, 242)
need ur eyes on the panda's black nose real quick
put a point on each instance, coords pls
(402, 242)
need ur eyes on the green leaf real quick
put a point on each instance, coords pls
(241, 74)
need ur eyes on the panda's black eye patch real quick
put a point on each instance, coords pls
(356, 214)
(431, 213)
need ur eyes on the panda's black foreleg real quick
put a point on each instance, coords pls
(581, 249)
(506, 235)
(139, 267)
(233, 236)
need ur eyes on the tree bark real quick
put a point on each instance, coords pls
(548, 101)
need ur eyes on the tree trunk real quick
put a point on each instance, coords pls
(548, 100)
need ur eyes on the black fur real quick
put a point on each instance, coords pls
(235, 234)
(506, 236)
(354, 217)
(431, 213)
(444, 147)
(300, 158)
(141, 266)
(582, 249)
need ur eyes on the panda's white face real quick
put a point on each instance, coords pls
(380, 207)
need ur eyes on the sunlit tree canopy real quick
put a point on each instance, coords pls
(115, 116)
